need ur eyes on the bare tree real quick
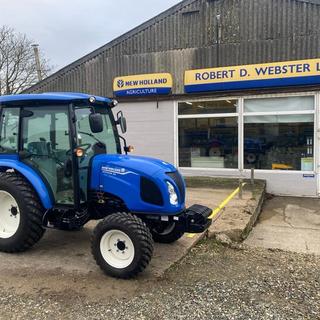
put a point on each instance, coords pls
(18, 69)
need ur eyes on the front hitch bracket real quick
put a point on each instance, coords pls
(196, 219)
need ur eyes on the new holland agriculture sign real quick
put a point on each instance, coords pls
(143, 85)
(304, 72)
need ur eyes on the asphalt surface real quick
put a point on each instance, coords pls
(212, 282)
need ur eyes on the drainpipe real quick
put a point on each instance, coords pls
(218, 40)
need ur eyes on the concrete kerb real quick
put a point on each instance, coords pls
(237, 219)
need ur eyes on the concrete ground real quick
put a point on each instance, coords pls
(287, 223)
(63, 261)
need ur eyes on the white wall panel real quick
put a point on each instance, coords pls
(150, 128)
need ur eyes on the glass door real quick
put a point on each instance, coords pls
(46, 148)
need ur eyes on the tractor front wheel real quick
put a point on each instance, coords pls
(20, 214)
(122, 245)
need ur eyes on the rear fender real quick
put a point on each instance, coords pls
(34, 179)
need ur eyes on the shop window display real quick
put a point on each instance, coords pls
(208, 142)
(275, 140)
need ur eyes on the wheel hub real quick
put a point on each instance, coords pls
(121, 245)
(14, 211)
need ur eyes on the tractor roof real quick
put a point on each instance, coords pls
(51, 97)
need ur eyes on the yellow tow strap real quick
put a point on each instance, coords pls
(220, 207)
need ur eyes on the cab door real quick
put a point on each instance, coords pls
(46, 148)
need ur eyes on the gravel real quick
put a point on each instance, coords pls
(212, 282)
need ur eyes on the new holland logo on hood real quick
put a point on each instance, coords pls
(143, 85)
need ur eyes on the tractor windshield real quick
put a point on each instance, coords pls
(104, 142)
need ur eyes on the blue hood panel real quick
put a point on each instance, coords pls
(142, 165)
(120, 175)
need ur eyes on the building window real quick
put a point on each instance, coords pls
(208, 134)
(279, 133)
(208, 107)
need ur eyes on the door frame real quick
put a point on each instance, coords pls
(74, 159)
(72, 144)
(317, 140)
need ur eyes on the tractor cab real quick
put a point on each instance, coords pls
(58, 139)
(61, 165)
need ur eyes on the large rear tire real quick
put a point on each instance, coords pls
(21, 214)
(122, 245)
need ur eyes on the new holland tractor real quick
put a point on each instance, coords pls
(61, 165)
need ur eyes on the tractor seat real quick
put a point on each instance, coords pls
(39, 148)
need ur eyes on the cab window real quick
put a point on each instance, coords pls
(9, 130)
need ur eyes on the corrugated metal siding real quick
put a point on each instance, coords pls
(187, 37)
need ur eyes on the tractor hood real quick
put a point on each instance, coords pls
(140, 182)
(141, 165)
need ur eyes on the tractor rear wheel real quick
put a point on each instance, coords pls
(20, 214)
(168, 233)
(122, 245)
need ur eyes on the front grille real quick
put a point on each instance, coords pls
(177, 178)
(150, 192)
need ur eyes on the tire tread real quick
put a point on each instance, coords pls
(34, 230)
(138, 227)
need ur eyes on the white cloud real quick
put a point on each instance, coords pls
(67, 30)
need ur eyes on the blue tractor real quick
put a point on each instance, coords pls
(61, 165)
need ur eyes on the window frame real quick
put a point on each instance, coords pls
(241, 114)
(313, 112)
(202, 116)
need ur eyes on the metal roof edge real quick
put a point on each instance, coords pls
(115, 41)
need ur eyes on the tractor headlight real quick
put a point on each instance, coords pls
(172, 194)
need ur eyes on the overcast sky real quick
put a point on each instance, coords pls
(68, 29)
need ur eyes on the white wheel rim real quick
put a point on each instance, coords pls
(117, 249)
(9, 215)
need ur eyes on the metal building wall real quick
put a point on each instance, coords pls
(150, 128)
(198, 34)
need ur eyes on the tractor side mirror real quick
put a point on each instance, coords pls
(96, 122)
(121, 120)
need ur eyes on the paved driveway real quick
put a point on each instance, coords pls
(288, 223)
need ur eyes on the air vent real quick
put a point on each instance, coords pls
(150, 192)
